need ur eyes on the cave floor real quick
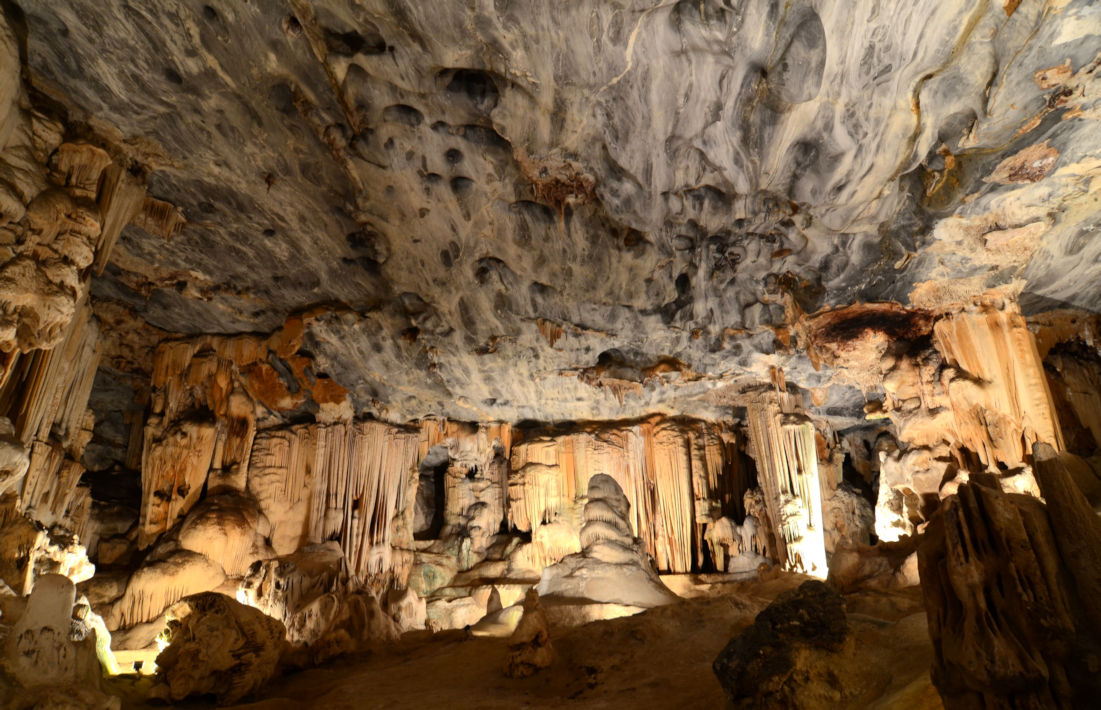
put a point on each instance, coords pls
(658, 659)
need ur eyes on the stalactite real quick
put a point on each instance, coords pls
(787, 470)
(226, 382)
(120, 197)
(160, 218)
(174, 467)
(79, 166)
(280, 478)
(159, 584)
(669, 470)
(331, 482)
(1000, 399)
(670, 504)
(50, 484)
(351, 482)
(381, 486)
(20, 538)
(49, 389)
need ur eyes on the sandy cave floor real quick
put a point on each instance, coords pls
(658, 659)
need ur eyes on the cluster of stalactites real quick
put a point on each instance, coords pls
(787, 470)
(673, 473)
(998, 393)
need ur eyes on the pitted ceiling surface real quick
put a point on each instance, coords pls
(515, 208)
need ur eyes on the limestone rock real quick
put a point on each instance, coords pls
(1009, 584)
(407, 608)
(848, 518)
(611, 568)
(676, 462)
(228, 528)
(283, 586)
(734, 548)
(51, 656)
(335, 624)
(886, 565)
(160, 583)
(787, 457)
(218, 647)
(529, 648)
(788, 657)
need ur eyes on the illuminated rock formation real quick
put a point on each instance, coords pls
(611, 567)
(218, 647)
(998, 394)
(673, 473)
(161, 582)
(283, 586)
(52, 658)
(787, 457)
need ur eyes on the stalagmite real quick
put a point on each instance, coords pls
(669, 470)
(611, 567)
(50, 655)
(529, 647)
(1008, 629)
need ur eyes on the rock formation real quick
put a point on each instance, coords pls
(529, 648)
(52, 657)
(611, 567)
(789, 656)
(218, 647)
(1008, 583)
(787, 454)
(377, 315)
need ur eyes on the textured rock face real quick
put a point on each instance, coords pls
(38, 651)
(219, 647)
(1009, 584)
(790, 656)
(586, 190)
(529, 646)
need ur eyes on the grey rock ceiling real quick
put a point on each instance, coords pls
(656, 179)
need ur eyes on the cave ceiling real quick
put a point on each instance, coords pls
(567, 210)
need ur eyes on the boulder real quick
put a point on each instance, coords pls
(218, 647)
(787, 657)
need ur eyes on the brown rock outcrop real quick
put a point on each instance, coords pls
(218, 647)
